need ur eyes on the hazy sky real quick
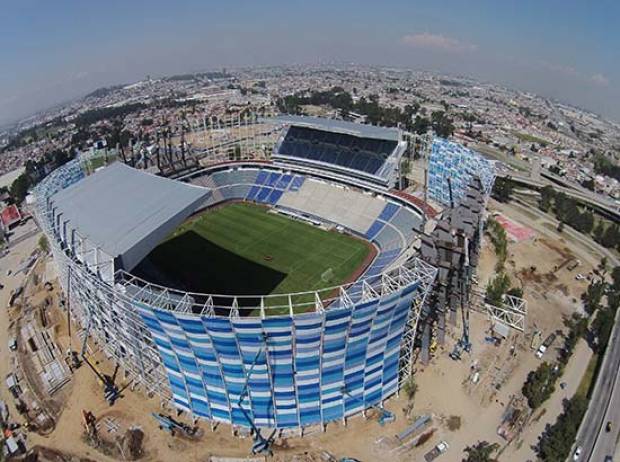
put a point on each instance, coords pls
(54, 50)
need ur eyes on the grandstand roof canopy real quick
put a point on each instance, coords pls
(339, 126)
(126, 212)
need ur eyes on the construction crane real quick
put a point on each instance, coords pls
(463, 344)
(172, 426)
(111, 392)
(385, 416)
(261, 445)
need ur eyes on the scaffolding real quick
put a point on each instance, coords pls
(110, 304)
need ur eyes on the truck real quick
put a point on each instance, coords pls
(438, 450)
(545, 345)
(574, 264)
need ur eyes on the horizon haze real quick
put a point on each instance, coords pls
(60, 51)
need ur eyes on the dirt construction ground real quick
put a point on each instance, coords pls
(463, 412)
(552, 293)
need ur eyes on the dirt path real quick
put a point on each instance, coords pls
(12, 262)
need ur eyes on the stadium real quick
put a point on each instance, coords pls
(280, 292)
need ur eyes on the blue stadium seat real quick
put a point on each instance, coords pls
(263, 194)
(273, 179)
(363, 154)
(388, 211)
(374, 229)
(252, 193)
(262, 177)
(297, 182)
(284, 181)
(275, 196)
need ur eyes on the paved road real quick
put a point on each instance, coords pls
(606, 442)
(604, 407)
(595, 200)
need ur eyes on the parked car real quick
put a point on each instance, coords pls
(13, 386)
(438, 450)
(545, 345)
(577, 453)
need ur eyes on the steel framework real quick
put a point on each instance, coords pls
(112, 308)
(512, 312)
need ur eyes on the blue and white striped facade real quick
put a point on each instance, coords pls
(453, 161)
(311, 368)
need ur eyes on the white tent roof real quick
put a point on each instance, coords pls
(125, 212)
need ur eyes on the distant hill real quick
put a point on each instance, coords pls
(103, 91)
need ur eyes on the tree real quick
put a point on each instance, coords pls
(613, 300)
(499, 239)
(556, 441)
(420, 125)
(547, 195)
(599, 230)
(601, 328)
(405, 167)
(565, 208)
(605, 166)
(585, 222)
(44, 244)
(592, 296)
(588, 184)
(577, 328)
(502, 189)
(60, 157)
(410, 388)
(481, 452)
(496, 289)
(540, 385)
(611, 237)
(237, 152)
(515, 292)
(615, 276)
(602, 268)
(442, 124)
(19, 188)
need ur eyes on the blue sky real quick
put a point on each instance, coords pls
(54, 50)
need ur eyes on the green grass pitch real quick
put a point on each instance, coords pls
(243, 249)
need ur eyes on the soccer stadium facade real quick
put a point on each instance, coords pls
(335, 352)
